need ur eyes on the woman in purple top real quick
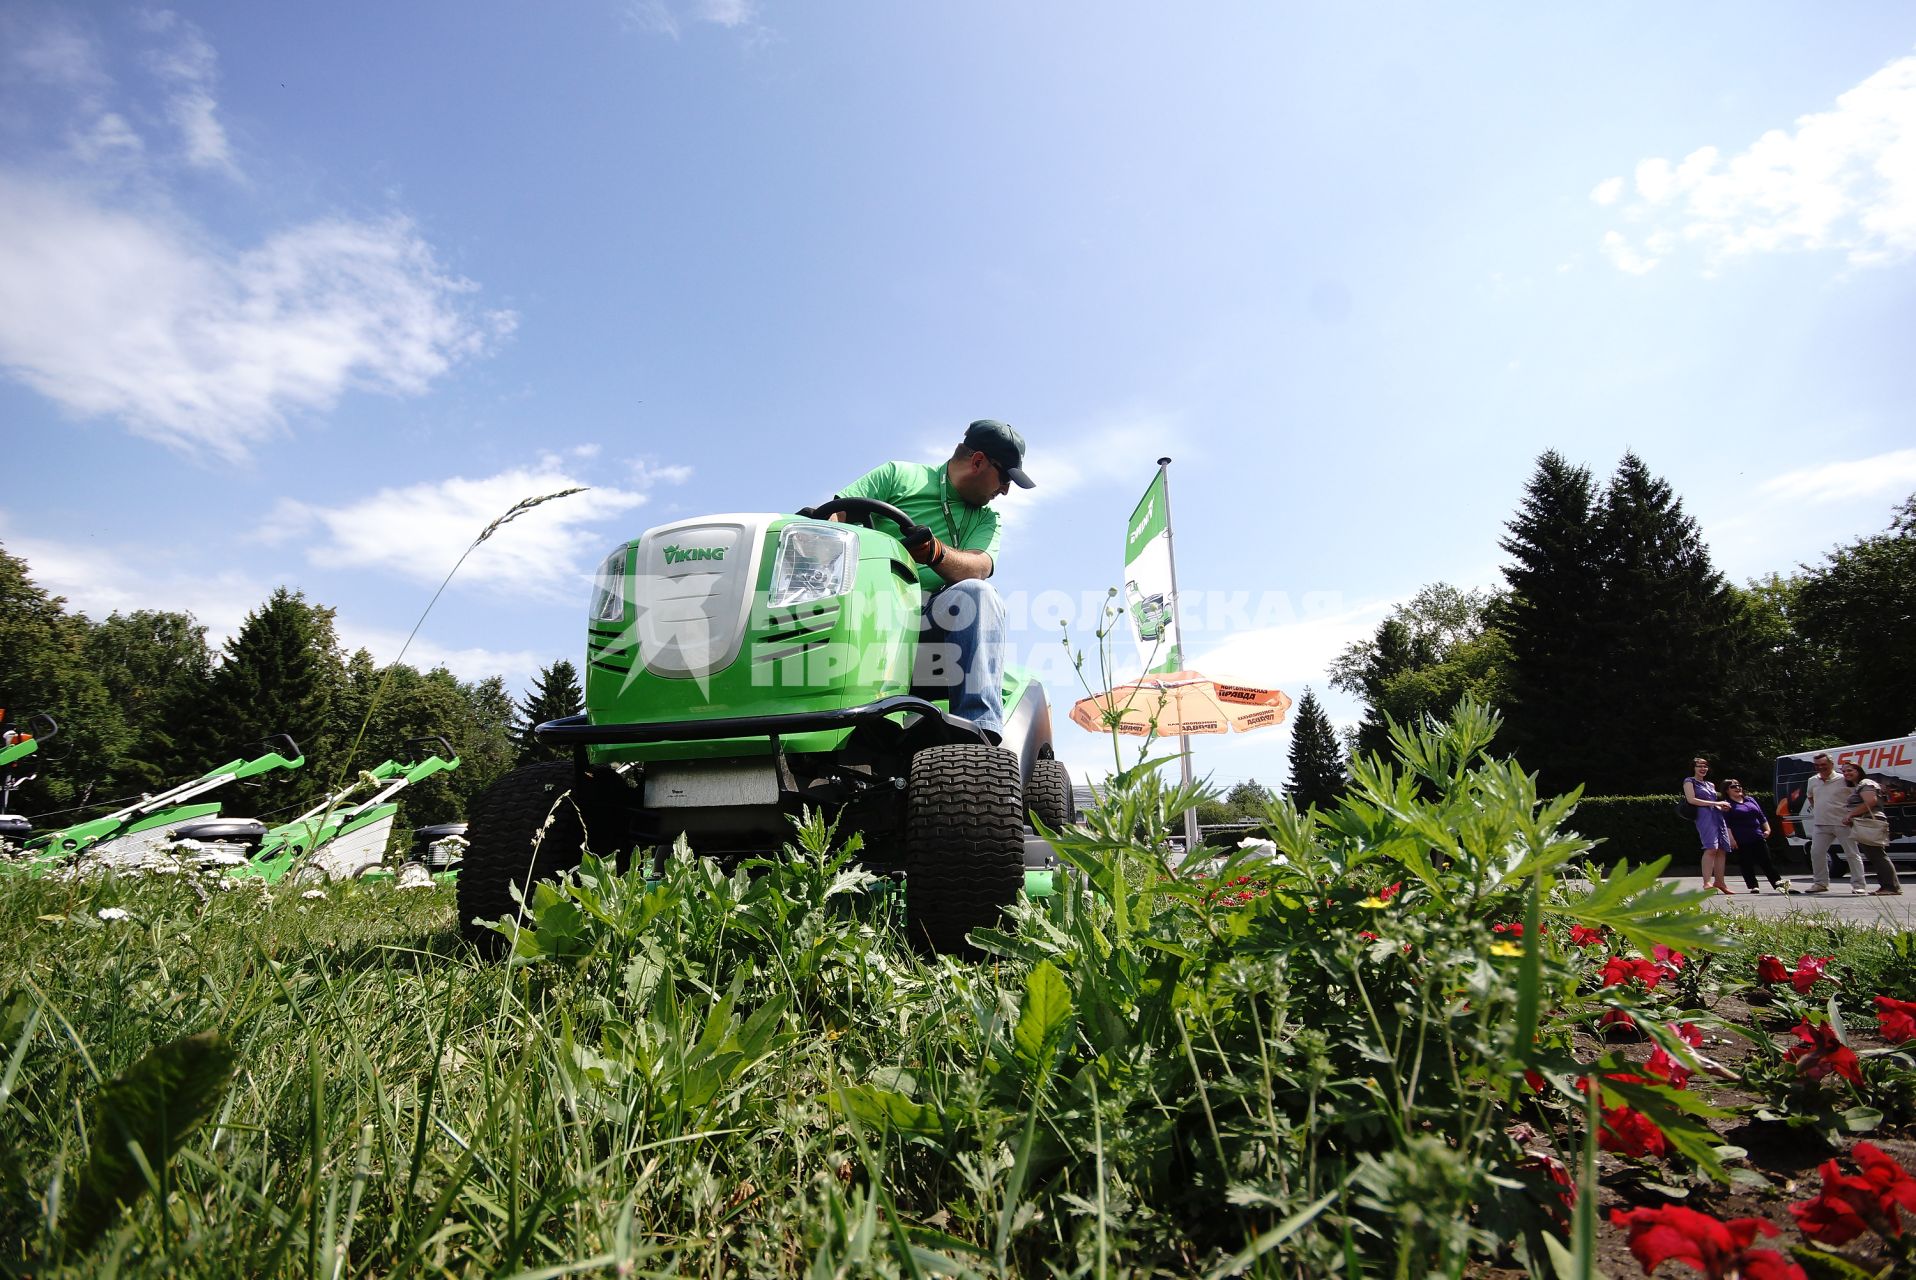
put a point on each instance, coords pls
(1749, 836)
(1709, 824)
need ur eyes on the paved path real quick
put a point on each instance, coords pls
(1839, 903)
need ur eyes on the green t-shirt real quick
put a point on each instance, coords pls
(923, 491)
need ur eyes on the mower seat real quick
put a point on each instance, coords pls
(247, 831)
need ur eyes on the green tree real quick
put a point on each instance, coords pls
(278, 675)
(1548, 618)
(1671, 640)
(1432, 651)
(1855, 616)
(44, 668)
(1316, 764)
(148, 660)
(554, 694)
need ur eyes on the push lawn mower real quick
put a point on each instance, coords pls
(333, 840)
(129, 836)
(743, 667)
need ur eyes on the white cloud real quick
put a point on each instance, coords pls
(1843, 179)
(1893, 472)
(647, 472)
(120, 312)
(188, 68)
(101, 580)
(419, 532)
(49, 52)
(727, 13)
(669, 19)
(518, 666)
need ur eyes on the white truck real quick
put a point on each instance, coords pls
(1891, 762)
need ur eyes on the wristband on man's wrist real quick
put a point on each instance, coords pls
(940, 557)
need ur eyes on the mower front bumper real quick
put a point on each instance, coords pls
(577, 731)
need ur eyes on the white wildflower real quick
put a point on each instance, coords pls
(113, 913)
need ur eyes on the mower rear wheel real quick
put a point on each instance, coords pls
(505, 843)
(1048, 794)
(964, 843)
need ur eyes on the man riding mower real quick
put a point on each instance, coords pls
(741, 668)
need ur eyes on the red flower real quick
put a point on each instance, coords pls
(1822, 1052)
(1670, 961)
(1718, 1250)
(1687, 1033)
(1514, 930)
(1896, 1019)
(1833, 1216)
(1618, 970)
(1808, 970)
(1850, 1204)
(1667, 1070)
(1542, 1162)
(1770, 969)
(1584, 936)
(1535, 1080)
(1389, 891)
(1892, 1182)
(1629, 1132)
(1616, 1018)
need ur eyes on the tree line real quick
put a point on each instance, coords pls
(144, 703)
(1616, 651)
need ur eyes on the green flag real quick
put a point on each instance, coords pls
(1147, 580)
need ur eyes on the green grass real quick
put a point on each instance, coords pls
(1315, 1070)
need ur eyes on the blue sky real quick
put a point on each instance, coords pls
(307, 295)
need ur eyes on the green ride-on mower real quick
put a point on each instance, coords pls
(741, 668)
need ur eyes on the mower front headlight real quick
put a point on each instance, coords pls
(608, 589)
(814, 561)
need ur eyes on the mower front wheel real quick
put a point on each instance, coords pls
(964, 842)
(530, 825)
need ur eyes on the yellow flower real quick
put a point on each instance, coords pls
(1505, 949)
(1374, 902)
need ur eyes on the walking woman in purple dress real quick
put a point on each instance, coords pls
(1710, 827)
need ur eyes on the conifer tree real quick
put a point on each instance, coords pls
(554, 694)
(148, 660)
(1316, 764)
(278, 674)
(1548, 621)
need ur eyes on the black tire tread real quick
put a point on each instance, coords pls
(499, 844)
(964, 843)
(1048, 794)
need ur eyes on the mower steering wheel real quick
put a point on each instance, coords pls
(861, 510)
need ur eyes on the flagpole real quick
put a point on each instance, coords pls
(1177, 629)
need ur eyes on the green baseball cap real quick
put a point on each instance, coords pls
(997, 441)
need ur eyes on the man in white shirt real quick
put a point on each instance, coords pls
(1827, 797)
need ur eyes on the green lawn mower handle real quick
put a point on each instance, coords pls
(578, 731)
(445, 747)
(290, 758)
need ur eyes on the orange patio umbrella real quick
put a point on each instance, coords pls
(1174, 703)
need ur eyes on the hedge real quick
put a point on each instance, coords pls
(1643, 828)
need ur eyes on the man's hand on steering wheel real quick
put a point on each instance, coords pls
(923, 545)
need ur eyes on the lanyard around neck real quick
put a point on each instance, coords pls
(944, 500)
